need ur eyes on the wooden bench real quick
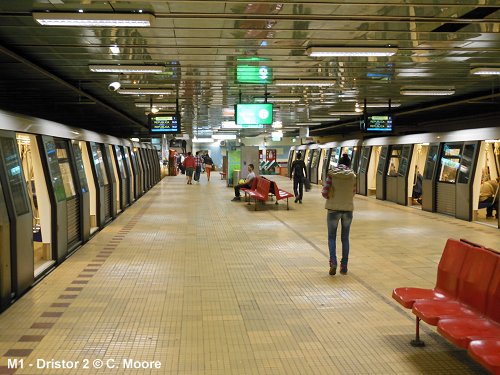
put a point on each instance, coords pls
(465, 303)
(222, 175)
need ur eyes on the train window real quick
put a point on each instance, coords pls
(54, 169)
(430, 162)
(12, 164)
(99, 164)
(394, 161)
(79, 166)
(65, 166)
(466, 164)
(365, 153)
(334, 158)
(382, 159)
(315, 158)
(450, 162)
(405, 156)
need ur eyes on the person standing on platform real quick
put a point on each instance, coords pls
(299, 175)
(209, 163)
(339, 191)
(183, 145)
(189, 165)
(199, 165)
(247, 184)
(489, 195)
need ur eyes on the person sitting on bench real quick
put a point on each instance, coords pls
(247, 184)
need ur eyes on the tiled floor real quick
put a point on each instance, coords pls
(204, 285)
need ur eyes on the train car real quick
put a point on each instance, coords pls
(58, 186)
(450, 167)
(333, 151)
(312, 162)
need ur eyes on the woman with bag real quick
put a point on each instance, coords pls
(299, 175)
(339, 191)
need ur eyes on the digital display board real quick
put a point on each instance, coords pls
(165, 124)
(254, 74)
(376, 123)
(253, 114)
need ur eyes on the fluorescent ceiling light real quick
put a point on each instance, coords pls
(115, 50)
(380, 105)
(126, 68)
(343, 113)
(351, 51)
(277, 100)
(143, 92)
(304, 82)
(93, 19)
(324, 119)
(155, 104)
(307, 123)
(224, 136)
(485, 71)
(427, 90)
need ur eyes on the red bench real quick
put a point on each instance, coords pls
(465, 303)
(281, 194)
(261, 192)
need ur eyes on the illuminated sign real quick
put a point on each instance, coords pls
(254, 114)
(254, 74)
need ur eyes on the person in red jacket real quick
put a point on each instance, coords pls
(189, 164)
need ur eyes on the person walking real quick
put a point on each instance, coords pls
(299, 175)
(209, 163)
(189, 165)
(339, 191)
(199, 165)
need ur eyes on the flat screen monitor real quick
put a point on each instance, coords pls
(376, 123)
(165, 124)
(253, 114)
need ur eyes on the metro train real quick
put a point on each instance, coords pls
(452, 166)
(58, 186)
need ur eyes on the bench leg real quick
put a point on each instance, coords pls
(417, 342)
(255, 205)
(287, 208)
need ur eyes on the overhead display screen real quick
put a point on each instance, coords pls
(165, 124)
(254, 114)
(377, 123)
(254, 74)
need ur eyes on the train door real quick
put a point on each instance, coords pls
(73, 192)
(124, 188)
(144, 174)
(16, 223)
(448, 165)
(355, 153)
(117, 196)
(139, 184)
(5, 250)
(313, 174)
(415, 174)
(361, 181)
(321, 162)
(334, 158)
(371, 174)
(104, 189)
(43, 255)
(429, 183)
(391, 177)
(465, 178)
(129, 170)
(291, 156)
(325, 163)
(402, 179)
(83, 187)
(93, 186)
(382, 172)
(486, 183)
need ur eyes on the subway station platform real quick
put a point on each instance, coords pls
(187, 282)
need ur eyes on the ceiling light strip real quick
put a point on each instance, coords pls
(143, 92)
(351, 51)
(126, 68)
(304, 82)
(93, 19)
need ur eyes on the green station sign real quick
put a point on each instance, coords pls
(254, 74)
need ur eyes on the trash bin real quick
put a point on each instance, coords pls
(236, 177)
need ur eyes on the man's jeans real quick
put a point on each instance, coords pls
(332, 221)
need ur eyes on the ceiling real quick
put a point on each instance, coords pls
(44, 70)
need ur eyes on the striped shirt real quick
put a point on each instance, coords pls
(199, 160)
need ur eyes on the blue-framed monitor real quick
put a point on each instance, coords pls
(165, 124)
(376, 123)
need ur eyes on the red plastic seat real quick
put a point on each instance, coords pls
(462, 331)
(487, 353)
(473, 285)
(449, 268)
